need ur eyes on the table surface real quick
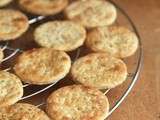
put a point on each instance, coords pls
(143, 103)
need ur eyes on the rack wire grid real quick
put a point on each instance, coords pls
(133, 73)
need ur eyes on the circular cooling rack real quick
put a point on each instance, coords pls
(134, 63)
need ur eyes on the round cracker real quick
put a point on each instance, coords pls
(4, 2)
(43, 7)
(13, 24)
(60, 35)
(99, 70)
(1, 55)
(42, 66)
(11, 89)
(22, 111)
(116, 41)
(91, 13)
(77, 103)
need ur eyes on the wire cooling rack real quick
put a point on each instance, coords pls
(134, 64)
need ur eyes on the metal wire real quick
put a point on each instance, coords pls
(39, 91)
(10, 56)
(34, 20)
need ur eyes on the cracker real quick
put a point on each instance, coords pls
(11, 89)
(99, 70)
(4, 2)
(60, 35)
(1, 55)
(116, 41)
(77, 103)
(42, 66)
(91, 13)
(22, 111)
(43, 7)
(13, 24)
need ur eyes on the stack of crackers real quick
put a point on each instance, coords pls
(86, 23)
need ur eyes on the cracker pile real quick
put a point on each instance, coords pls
(88, 24)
